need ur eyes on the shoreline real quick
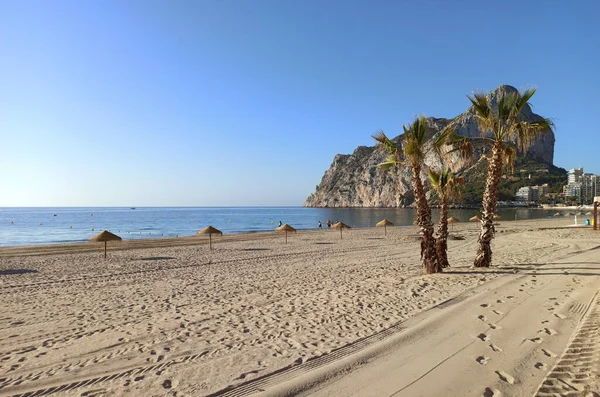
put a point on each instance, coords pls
(159, 242)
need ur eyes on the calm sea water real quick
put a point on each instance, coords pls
(32, 226)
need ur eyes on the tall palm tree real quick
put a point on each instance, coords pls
(508, 130)
(412, 155)
(446, 184)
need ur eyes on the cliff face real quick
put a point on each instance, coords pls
(355, 180)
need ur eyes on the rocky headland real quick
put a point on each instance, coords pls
(354, 180)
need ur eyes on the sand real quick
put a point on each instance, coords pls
(254, 315)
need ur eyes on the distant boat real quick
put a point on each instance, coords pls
(132, 208)
(55, 215)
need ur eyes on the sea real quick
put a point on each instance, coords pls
(35, 226)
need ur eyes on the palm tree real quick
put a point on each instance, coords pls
(413, 156)
(508, 130)
(446, 184)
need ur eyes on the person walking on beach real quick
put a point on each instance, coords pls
(280, 223)
(329, 223)
(320, 225)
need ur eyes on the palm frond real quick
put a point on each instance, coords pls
(483, 112)
(523, 98)
(449, 142)
(386, 165)
(509, 154)
(434, 177)
(384, 141)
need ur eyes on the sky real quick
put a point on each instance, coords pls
(246, 102)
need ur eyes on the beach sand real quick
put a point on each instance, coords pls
(254, 315)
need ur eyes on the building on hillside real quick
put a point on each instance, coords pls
(582, 186)
(532, 193)
(539, 192)
(574, 175)
(588, 188)
(524, 194)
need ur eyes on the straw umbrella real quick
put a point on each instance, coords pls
(589, 213)
(497, 216)
(579, 213)
(569, 214)
(285, 228)
(105, 236)
(385, 223)
(453, 220)
(341, 225)
(210, 231)
(475, 219)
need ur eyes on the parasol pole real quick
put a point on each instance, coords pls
(105, 250)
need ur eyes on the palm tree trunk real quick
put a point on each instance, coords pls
(428, 252)
(490, 199)
(441, 243)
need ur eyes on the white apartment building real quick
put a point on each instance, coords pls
(583, 186)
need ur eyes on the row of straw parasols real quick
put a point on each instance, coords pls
(571, 214)
(107, 236)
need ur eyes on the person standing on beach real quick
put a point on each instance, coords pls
(329, 223)
(320, 225)
(280, 223)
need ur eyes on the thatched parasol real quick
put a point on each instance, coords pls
(558, 214)
(569, 214)
(385, 223)
(285, 228)
(105, 236)
(341, 225)
(210, 231)
(452, 220)
(496, 216)
(589, 213)
(579, 213)
(475, 219)
(416, 223)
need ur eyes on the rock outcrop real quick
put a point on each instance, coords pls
(354, 180)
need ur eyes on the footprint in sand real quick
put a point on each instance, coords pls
(545, 322)
(499, 301)
(482, 317)
(537, 340)
(497, 312)
(506, 377)
(541, 366)
(484, 305)
(549, 353)
(491, 392)
(495, 326)
(495, 348)
(560, 316)
(483, 337)
(483, 360)
(550, 331)
(509, 297)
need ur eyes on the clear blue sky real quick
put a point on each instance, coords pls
(245, 102)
